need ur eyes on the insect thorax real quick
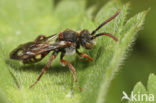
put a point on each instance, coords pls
(70, 35)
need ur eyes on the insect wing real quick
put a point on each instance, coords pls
(42, 45)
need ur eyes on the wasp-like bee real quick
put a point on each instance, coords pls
(67, 42)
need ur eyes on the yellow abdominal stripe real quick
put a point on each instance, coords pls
(38, 56)
(20, 52)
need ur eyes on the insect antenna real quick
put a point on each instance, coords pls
(106, 34)
(105, 22)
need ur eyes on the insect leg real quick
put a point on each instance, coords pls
(39, 37)
(106, 34)
(84, 55)
(72, 69)
(45, 68)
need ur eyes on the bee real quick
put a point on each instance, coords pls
(67, 43)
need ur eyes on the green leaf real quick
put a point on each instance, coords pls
(3, 98)
(21, 21)
(149, 93)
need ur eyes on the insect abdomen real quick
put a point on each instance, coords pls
(35, 58)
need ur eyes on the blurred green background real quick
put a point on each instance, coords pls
(141, 60)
